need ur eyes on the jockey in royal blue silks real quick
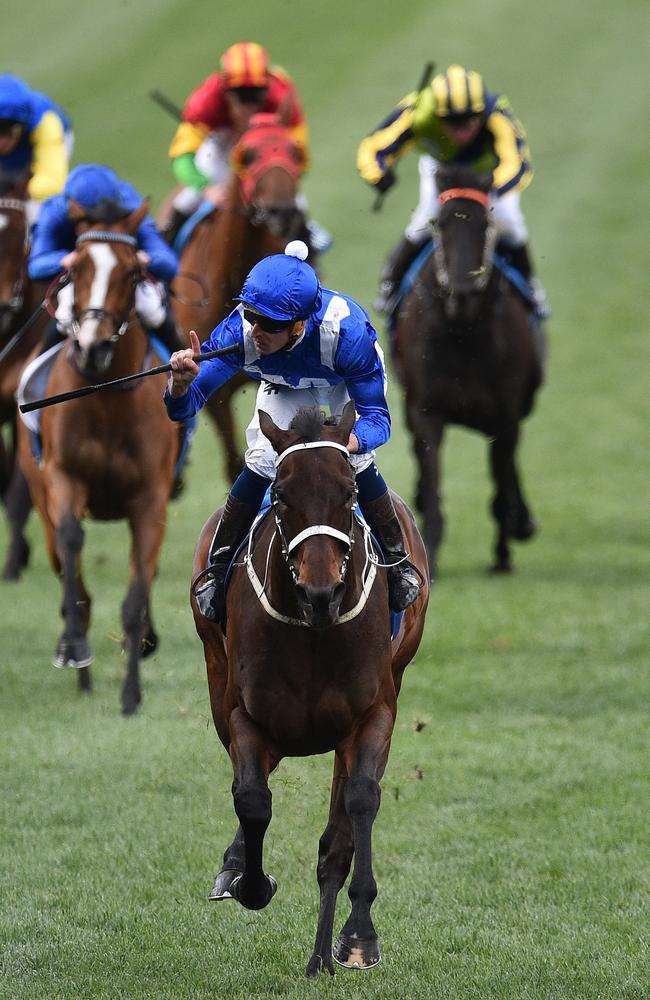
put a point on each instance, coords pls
(307, 346)
(94, 193)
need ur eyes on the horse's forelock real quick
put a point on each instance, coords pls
(308, 423)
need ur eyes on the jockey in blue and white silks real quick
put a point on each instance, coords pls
(307, 346)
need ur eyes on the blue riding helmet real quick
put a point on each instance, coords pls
(90, 185)
(283, 286)
(15, 99)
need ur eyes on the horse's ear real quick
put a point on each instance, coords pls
(346, 423)
(279, 439)
(132, 221)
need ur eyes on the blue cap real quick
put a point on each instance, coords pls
(283, 286)
(91, 184)
(15, 99)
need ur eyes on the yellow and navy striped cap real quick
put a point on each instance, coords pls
(458, 92)
(245, 64)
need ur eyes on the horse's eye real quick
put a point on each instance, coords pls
(247, 157)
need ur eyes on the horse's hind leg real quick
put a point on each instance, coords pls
(334, 859)
(357, 946)
(19, 504)
(508, 505)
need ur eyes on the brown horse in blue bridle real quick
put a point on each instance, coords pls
(109, 456)
(308, 666)
(466, 353)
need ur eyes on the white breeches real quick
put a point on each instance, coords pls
(506, 210)
(150, 305)
(212, 158)
(33, 207)
(282, 405)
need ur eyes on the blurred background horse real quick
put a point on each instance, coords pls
(307, 665)
(468, 352)
(109, 455)
(261, 211)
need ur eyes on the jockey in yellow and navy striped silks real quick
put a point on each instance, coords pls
(454, 120)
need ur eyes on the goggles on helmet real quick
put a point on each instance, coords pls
(265, 322)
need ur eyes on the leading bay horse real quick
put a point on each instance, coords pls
(110, 455)
(467, 353)
(17, 302)
(307, 666)
(260, 213)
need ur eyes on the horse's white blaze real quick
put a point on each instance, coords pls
(4, 221)
(104, 260)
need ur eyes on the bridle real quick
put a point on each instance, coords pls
(120, 326)
(14, 304)
(316, 529)
(289, 546)
(482, 274)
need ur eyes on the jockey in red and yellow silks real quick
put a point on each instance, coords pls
(454, 120)
(216, 114)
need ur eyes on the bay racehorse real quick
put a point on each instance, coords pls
(17, 302)
(110, 455)
(306, 666)
(261, 211)
(468, 352)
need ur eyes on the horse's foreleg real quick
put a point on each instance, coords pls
(234, 863)
(73, 649)
(428, 430)
(147, 525)
(334, 859)
(357, 946)
(19, 504)
(252, 799)
(508, 505)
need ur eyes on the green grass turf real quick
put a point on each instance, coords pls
(511, 848)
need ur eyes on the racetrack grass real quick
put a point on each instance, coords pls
(511, 848)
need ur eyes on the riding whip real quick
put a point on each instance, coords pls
(87, 390)
(166, 104)
(424, 80)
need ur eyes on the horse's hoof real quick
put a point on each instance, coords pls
(254, 902)
(525, 529)
(355, 953)
(149, 644)
(319, 963)
(74, 653)
(223, 883)
(17, 561)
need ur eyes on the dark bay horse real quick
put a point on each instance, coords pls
(110, 455)
(18, 299)
(466, 353)
(308, 666)
(260, 213)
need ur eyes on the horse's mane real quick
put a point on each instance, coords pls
(309, 421)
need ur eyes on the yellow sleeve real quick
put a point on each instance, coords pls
(513, 170)
(386, 144)
(187, 139)
(49, 158)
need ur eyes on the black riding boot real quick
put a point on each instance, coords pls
(233, 527)
(404, 581)
(520, 257)
(174, 226)
(395, 267)
(169, 334)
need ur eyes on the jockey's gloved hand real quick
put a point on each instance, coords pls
(386, 182)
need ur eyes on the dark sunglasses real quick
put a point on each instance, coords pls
(265, 322)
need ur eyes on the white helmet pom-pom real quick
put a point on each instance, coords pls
(297, 249)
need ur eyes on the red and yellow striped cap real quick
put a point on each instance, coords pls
(245, 64)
